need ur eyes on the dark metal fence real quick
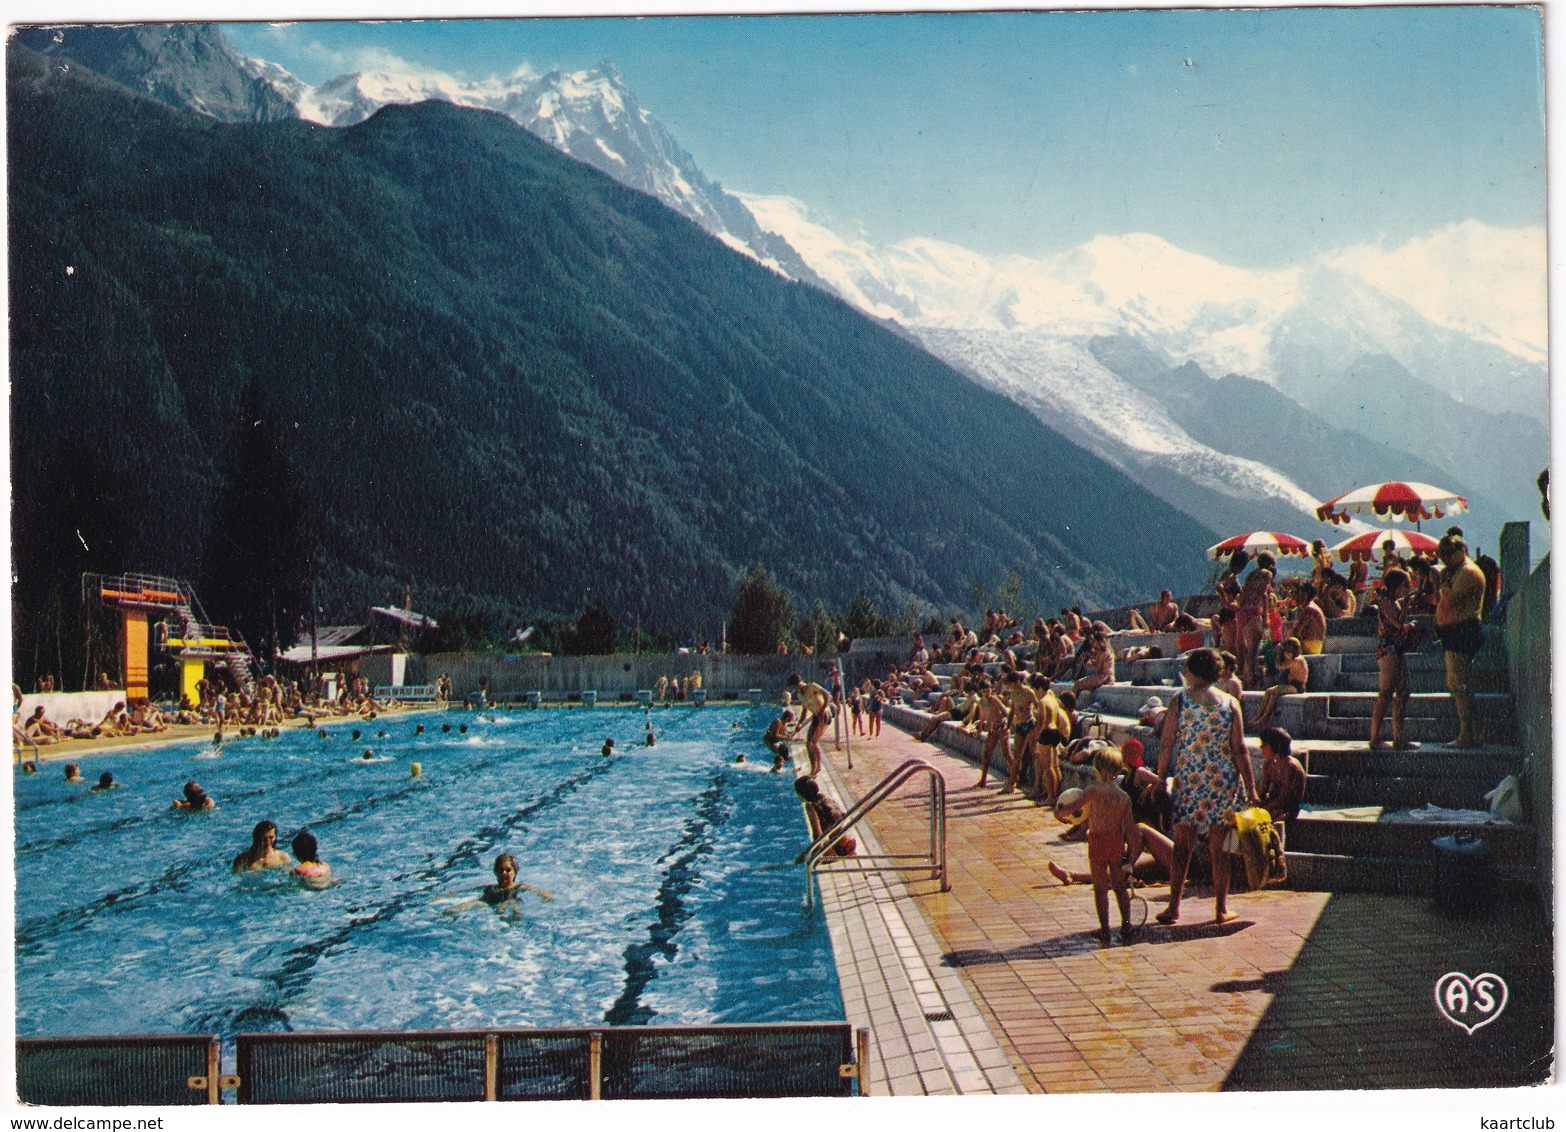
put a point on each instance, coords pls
(154, 1070)
(803, 1059)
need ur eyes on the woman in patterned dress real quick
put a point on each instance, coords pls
(1212, 776)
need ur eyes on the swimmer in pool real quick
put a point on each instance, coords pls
(73, 773)
(310, 869)
(419, 730)
(263, 852)
(504, 892)
(607, 749)
(106, 782)
(368, 755)
(652, 740)
(195, 799)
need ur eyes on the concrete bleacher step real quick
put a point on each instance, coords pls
(1329, 853)
(1401, 791)
(1431, 717)
(1335, 872)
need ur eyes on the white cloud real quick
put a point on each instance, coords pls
(1483, 281)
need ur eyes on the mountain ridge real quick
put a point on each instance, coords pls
(549, 390)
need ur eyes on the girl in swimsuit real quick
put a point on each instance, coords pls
(310, 869)
(1295, 675)
(1254, 619)
(1228, 590)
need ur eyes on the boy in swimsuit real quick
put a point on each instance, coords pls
(775, 740)
(992, 715)
(1112, 839)
(1283, 776)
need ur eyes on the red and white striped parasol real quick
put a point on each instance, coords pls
(1258, 542)
(1367, 547)
(1409, 501)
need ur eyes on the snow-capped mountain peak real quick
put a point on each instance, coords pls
(589, 114)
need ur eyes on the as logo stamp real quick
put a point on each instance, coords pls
(1470, 1003)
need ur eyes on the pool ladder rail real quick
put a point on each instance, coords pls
(933, 861)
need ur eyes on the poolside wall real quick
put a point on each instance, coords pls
(1528, 658)
(607, 675)
(612, 675)
(61, 706)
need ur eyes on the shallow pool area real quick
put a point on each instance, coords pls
(675, 900)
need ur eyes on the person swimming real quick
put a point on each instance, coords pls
(106, 782)
(195, 798)
(368, 755)
(310, 867)
(73, 773)
(505, 892)
(263, 852)
(419, 730)
(652, 740)
(462, 727)
(607, 749)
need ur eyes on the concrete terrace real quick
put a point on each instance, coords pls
(1306, 990)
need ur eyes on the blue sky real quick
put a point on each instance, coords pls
(1258, 137)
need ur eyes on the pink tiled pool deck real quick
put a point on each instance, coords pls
(1305, 990)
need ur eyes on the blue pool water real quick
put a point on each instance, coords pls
(665, 911)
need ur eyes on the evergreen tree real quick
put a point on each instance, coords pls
(595, 631)
(863, 619)
(820, 630)
(763, 613)
(261, 548)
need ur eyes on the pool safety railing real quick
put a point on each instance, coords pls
(818, 855)
(164, 1069)
(784, 1059)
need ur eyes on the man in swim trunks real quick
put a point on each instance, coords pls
(1022, 706)
(1050, 732)
(1458, 626)
(814, 700)
(1310, 622)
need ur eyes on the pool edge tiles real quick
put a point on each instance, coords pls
(892, 981)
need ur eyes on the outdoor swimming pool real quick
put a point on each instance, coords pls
(665, 909)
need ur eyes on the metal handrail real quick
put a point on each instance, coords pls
(934, 860)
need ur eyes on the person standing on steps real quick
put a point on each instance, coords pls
(1395, 635)
(1204, 745)
(1458, 626)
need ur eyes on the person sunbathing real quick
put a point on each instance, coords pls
(1161, 615)
(40, 730)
